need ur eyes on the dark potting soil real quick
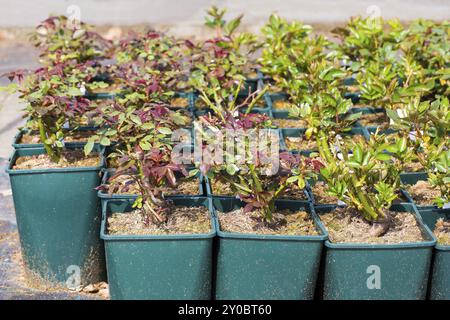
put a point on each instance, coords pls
(284, 222)
(347, 225)
(423, 193)
(179, 220)
(69, 158)
(442, 232)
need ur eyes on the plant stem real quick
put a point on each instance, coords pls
(43, 136)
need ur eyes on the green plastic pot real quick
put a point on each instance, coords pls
(351, 270)
(164, 267)
(372, 130)
(251, 266)
(440, 279)
(101, 95)
(412, 178)
(58, 217)
(272, 97)
(354, 96)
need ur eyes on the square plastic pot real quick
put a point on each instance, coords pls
(251, 266)
(412, 178)
(440, 279)
(272, 97)
(359, 271)
(148, 267)
(58, 217)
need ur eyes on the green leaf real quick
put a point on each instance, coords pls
(145, 145)
(231, 169)
(105, 141)
(88, 147)
(165, 130)
(74, 92)
(383, 156)
(357, 154)
(292, 179)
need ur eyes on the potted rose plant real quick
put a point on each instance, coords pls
(371, 242)
(53, 186)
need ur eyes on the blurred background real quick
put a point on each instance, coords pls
(113, 19)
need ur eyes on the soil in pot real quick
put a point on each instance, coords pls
(126, 185)
(179, 220)
(200, 104)
(356, 138)
(300, 143)
(346, 225)
(75, 136)
(352, 89)
(111, 88)
(442, 232)
(373, 119)
(252, 74)
(423, 193)
(69, 158)
(320, 194)
(281, 104)
(290, 123)
(413, 166)
(284, 222)
(400, 197)
(220, 188)
(179, 102)
(273, 88)
(294, 192)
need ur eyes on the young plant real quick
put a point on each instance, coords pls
(365, 177)
(250, 153)
(61, 39)
(222, 61)
(287, 51)
(52, 100)
(364, 40)
(440, 178)
(322, 106)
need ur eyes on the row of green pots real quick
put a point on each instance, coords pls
(439, 285)
(59, 224)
